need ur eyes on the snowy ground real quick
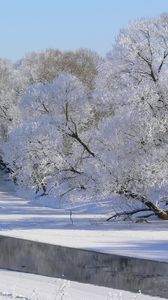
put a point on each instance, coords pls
(89, 231)
(19, 218)
(15, 285)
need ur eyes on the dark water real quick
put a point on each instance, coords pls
(108, 270)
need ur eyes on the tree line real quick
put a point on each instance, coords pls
(74, 124)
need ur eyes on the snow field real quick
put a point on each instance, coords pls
(15, 285)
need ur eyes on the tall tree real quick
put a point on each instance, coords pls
(51, 140)
(139, 131)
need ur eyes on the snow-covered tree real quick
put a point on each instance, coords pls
(12, 86)
(40, 68)
(47, 149)
(6, 100)
(136, 136)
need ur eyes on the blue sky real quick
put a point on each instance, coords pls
(34, 25)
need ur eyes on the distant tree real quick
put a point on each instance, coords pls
(12, 86)
(45, 66)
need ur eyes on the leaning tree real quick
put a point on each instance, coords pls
(137, 135)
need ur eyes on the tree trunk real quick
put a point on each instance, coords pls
(3, 166)
(162, 214)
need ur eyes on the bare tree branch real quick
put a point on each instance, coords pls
(127, 213)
